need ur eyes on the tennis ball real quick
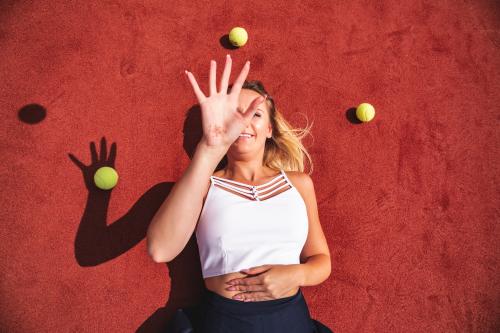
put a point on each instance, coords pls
(105, 178)
(238, 36)
(365, 112)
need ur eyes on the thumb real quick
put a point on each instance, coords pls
(256, 269)
(249, 113)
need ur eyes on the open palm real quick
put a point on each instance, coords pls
(222, 119)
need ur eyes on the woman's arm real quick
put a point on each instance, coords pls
(222, 122)
(315, 270)
(175, 221)
(315, 259)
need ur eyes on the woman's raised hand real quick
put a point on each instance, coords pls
(222, 119)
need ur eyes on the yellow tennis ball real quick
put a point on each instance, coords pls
(105, 178)
(365, 112)
(238, 36)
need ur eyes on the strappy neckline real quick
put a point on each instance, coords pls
(254, 191)
(247, 185)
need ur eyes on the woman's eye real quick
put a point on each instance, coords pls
(257, 114)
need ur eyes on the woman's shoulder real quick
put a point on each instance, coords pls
(303, 183)
(300, 179)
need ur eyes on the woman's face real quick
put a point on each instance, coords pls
(260, 127)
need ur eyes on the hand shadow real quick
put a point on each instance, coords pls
(96, 242)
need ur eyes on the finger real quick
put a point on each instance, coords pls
(236, 88)
(248, 115)
(197, 91)
(247, 281)
(225, 75)
(240, 296)
(213, 77)
(253, 296)
(258, 296)
(253, 287)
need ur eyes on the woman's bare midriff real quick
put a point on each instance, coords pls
(218, 285)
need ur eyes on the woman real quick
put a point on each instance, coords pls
(256, 225)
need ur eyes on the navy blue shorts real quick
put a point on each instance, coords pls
(218, 314)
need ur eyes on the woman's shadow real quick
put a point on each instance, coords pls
(96, 242)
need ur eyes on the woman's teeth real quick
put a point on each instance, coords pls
(246, 135)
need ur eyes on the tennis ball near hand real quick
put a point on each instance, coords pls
(105, 178)
(365, 112)
(238, 36)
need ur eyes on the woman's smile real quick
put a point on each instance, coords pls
(246, 137)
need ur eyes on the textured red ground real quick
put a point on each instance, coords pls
(409, 202)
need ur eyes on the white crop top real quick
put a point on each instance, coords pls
(236, 232)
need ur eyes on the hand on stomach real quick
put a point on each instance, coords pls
(218, 285)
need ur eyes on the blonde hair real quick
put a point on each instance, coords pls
(284, 150)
